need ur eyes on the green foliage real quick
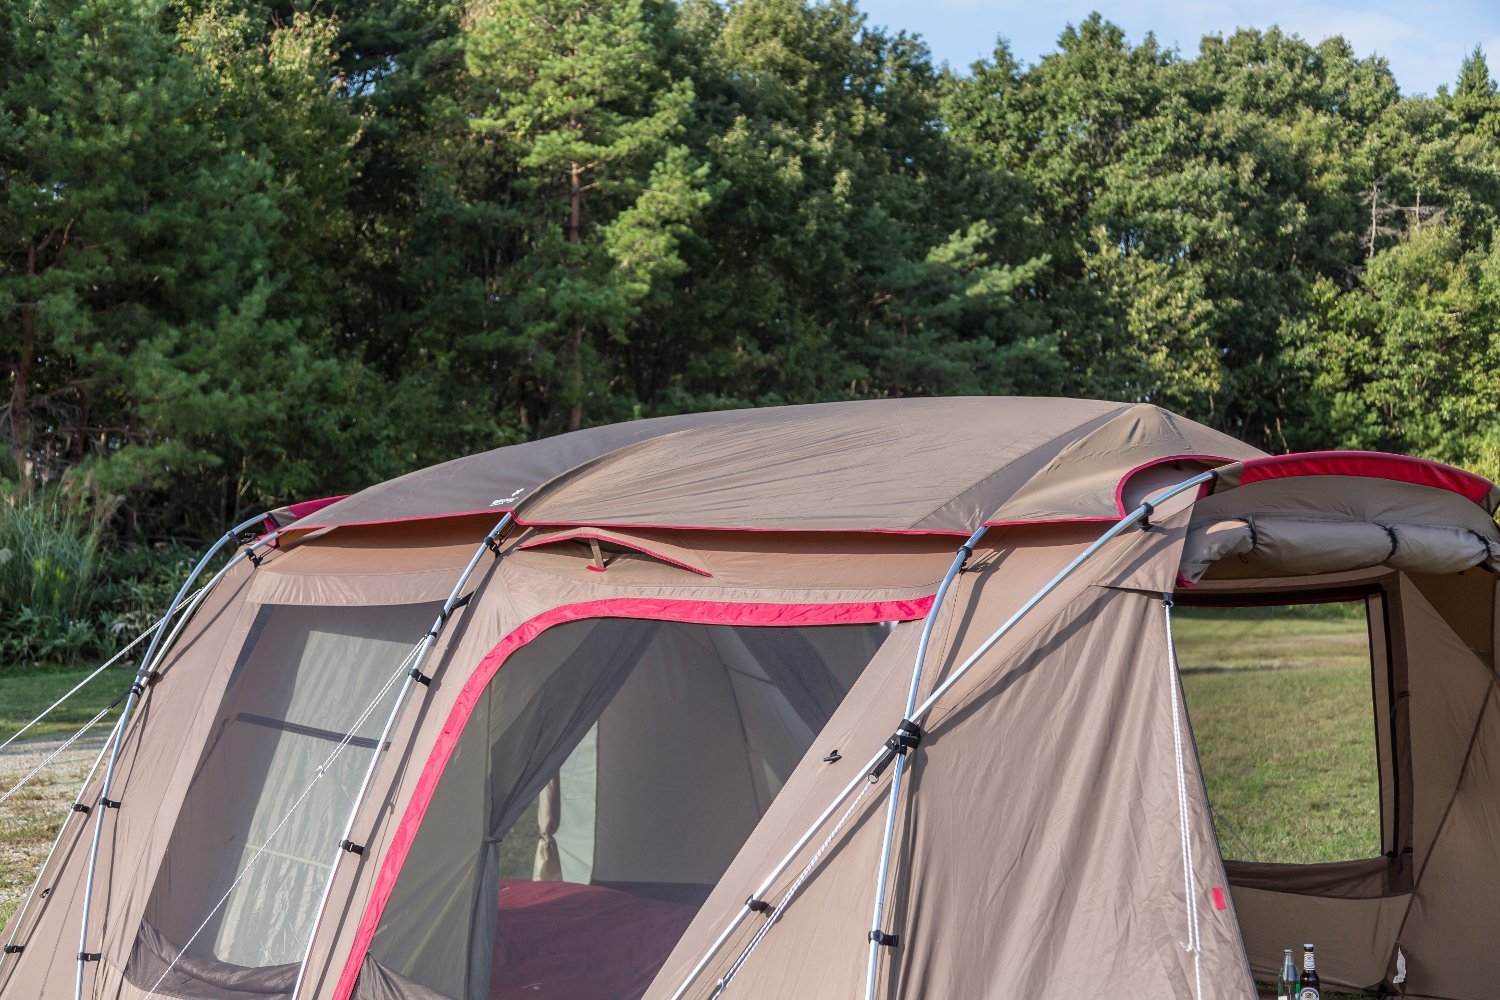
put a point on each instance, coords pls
(50, 558)
(255, 251)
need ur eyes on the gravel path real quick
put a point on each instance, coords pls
(29, 819)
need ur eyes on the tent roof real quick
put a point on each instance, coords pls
(942, 465)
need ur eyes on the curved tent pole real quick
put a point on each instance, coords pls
(414, 677)
(144, 676)
(960, 560)
(886, 754)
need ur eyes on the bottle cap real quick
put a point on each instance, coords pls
(1307, 947)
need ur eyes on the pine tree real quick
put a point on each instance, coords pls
(573, 93)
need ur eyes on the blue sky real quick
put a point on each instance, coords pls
(1424, 42)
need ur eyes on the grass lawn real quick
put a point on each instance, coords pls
(1280, 707)
(24, 695)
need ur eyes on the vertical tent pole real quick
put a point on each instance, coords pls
(413, 678)
(883, 757)
(143, 677)
(877, 936)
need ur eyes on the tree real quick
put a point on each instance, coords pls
(603, 191)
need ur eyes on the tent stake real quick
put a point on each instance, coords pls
(413, 677)
(877, 763)
(154, 654)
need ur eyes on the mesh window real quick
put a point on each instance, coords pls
(610, 773)
(253, 845)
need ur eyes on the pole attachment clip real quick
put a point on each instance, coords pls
(888, 940)
(907, 737)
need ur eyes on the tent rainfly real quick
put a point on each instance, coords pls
(867, 699)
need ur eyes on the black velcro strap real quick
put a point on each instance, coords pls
(88, 956)
(1150, 509)
(907, 737)
(420, 677)
(14, 949)
(352, 847)
(493, 544)
(757, 905)
(882, 938)
(447, 612)
(79, 807)
(110, 803)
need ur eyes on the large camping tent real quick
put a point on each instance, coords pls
(623, 713)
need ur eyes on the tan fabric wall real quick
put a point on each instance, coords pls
(1045, 798)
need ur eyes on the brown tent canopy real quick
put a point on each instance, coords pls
(619, 747)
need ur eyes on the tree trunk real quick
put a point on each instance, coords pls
(20, 407)
(575, 235)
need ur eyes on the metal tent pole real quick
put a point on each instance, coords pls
(883, 757)
(413, 677)
(144, 675)
(877, 936)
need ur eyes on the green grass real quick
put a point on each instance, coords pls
(1280, 707)
(24, 695)
(30, 818)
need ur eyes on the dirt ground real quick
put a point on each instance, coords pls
(29, 819)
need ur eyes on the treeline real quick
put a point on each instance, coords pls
(251, 252)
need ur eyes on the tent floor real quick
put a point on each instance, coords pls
(583, 942)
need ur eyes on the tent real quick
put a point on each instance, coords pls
(873, 699)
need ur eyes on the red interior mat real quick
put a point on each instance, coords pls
(580, 942)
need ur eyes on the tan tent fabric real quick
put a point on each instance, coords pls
(749, 643)
(935, 465)
(1084, 480)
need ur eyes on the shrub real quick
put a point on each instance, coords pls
(50, 557)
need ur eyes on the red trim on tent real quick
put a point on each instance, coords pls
(302, 508)
(499, 511)
(1119, 493)
(608, 525)
(306, 507)
(1125, 479)
(695, 612)
(1369, 465)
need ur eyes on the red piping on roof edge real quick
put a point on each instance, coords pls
(695, 612)
(1119, 493)
(521, 523)
(1370, 465)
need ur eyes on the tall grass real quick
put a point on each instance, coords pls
(51, 553)
(71, 593)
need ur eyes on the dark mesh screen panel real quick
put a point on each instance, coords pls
(252, 846)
